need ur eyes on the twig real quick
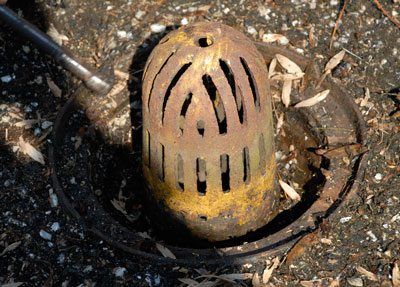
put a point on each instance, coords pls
(386, 13)
(338, 21)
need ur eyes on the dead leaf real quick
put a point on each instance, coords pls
(27, 124)
(10, 247)
(56, 36)
(289, 191)
(286, 90)
(54, 88)
(268, 271)
(255, 281)
(12, 284)
(313, 100)
(290, 66)
(347, 150)
(236, 276)
(396, 275)
(29, 150)
(334, 61)
(229, 277)
(280, 122)
(189, 282)
(334, 283)
(271, 68)
(371, 276)
(284, 77)
(300, 247)
(165, 251)
(305, 283)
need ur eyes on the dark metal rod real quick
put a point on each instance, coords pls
(47, 45)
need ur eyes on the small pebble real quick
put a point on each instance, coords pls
(45, 235)
(121, 34)
(139, 14)
(251, 30)
(119, 272)
(26, 49)
(55, 226)
(184, 21)
(345, 219)
(61, 258)
(53, 200)
(372, 236)
(6, 79)
(378, 176)
(46, 125)
(157, 28)
(37, 132)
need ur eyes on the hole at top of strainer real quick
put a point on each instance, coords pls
(205, 41)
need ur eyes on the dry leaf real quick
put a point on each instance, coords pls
(313, 100)
(10, 247)
(29, 150)
(13, 284)
(286, 90)
(54, 88)
(284, 77)
(255, 281)
(371, 276)
(305, 283)
(165, 251)
(271, 68)
(289, 191)
(236, 276)
(334, 61)
(56, 36)
(396, 275)
(334, 283)
(300, 247)
(27, 124)
(290, 66)
(268, 271)
(189, 282)
(279, 123)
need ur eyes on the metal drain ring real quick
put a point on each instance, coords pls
(344, 183)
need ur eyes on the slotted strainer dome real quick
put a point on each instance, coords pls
(208, 152)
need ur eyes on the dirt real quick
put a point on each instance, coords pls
(364, 233)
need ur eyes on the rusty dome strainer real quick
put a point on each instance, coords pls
(208, 152)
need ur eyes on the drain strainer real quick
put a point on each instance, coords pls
(208, 152)
(332, 126)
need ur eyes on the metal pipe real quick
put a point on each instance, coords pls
(93, 81)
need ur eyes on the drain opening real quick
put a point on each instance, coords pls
(231, 81)
(205, 42)
(246, 165)
(262, 153)
(216, 100)
(225, 177)
(147, 148)
(201, 176)
(203, 218)
(180, 173)
(252, 83)
(184, 109)
(200, 127)
(174, 81)
(155, 78)
(161, 162)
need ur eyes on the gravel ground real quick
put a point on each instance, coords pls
(46, 248)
